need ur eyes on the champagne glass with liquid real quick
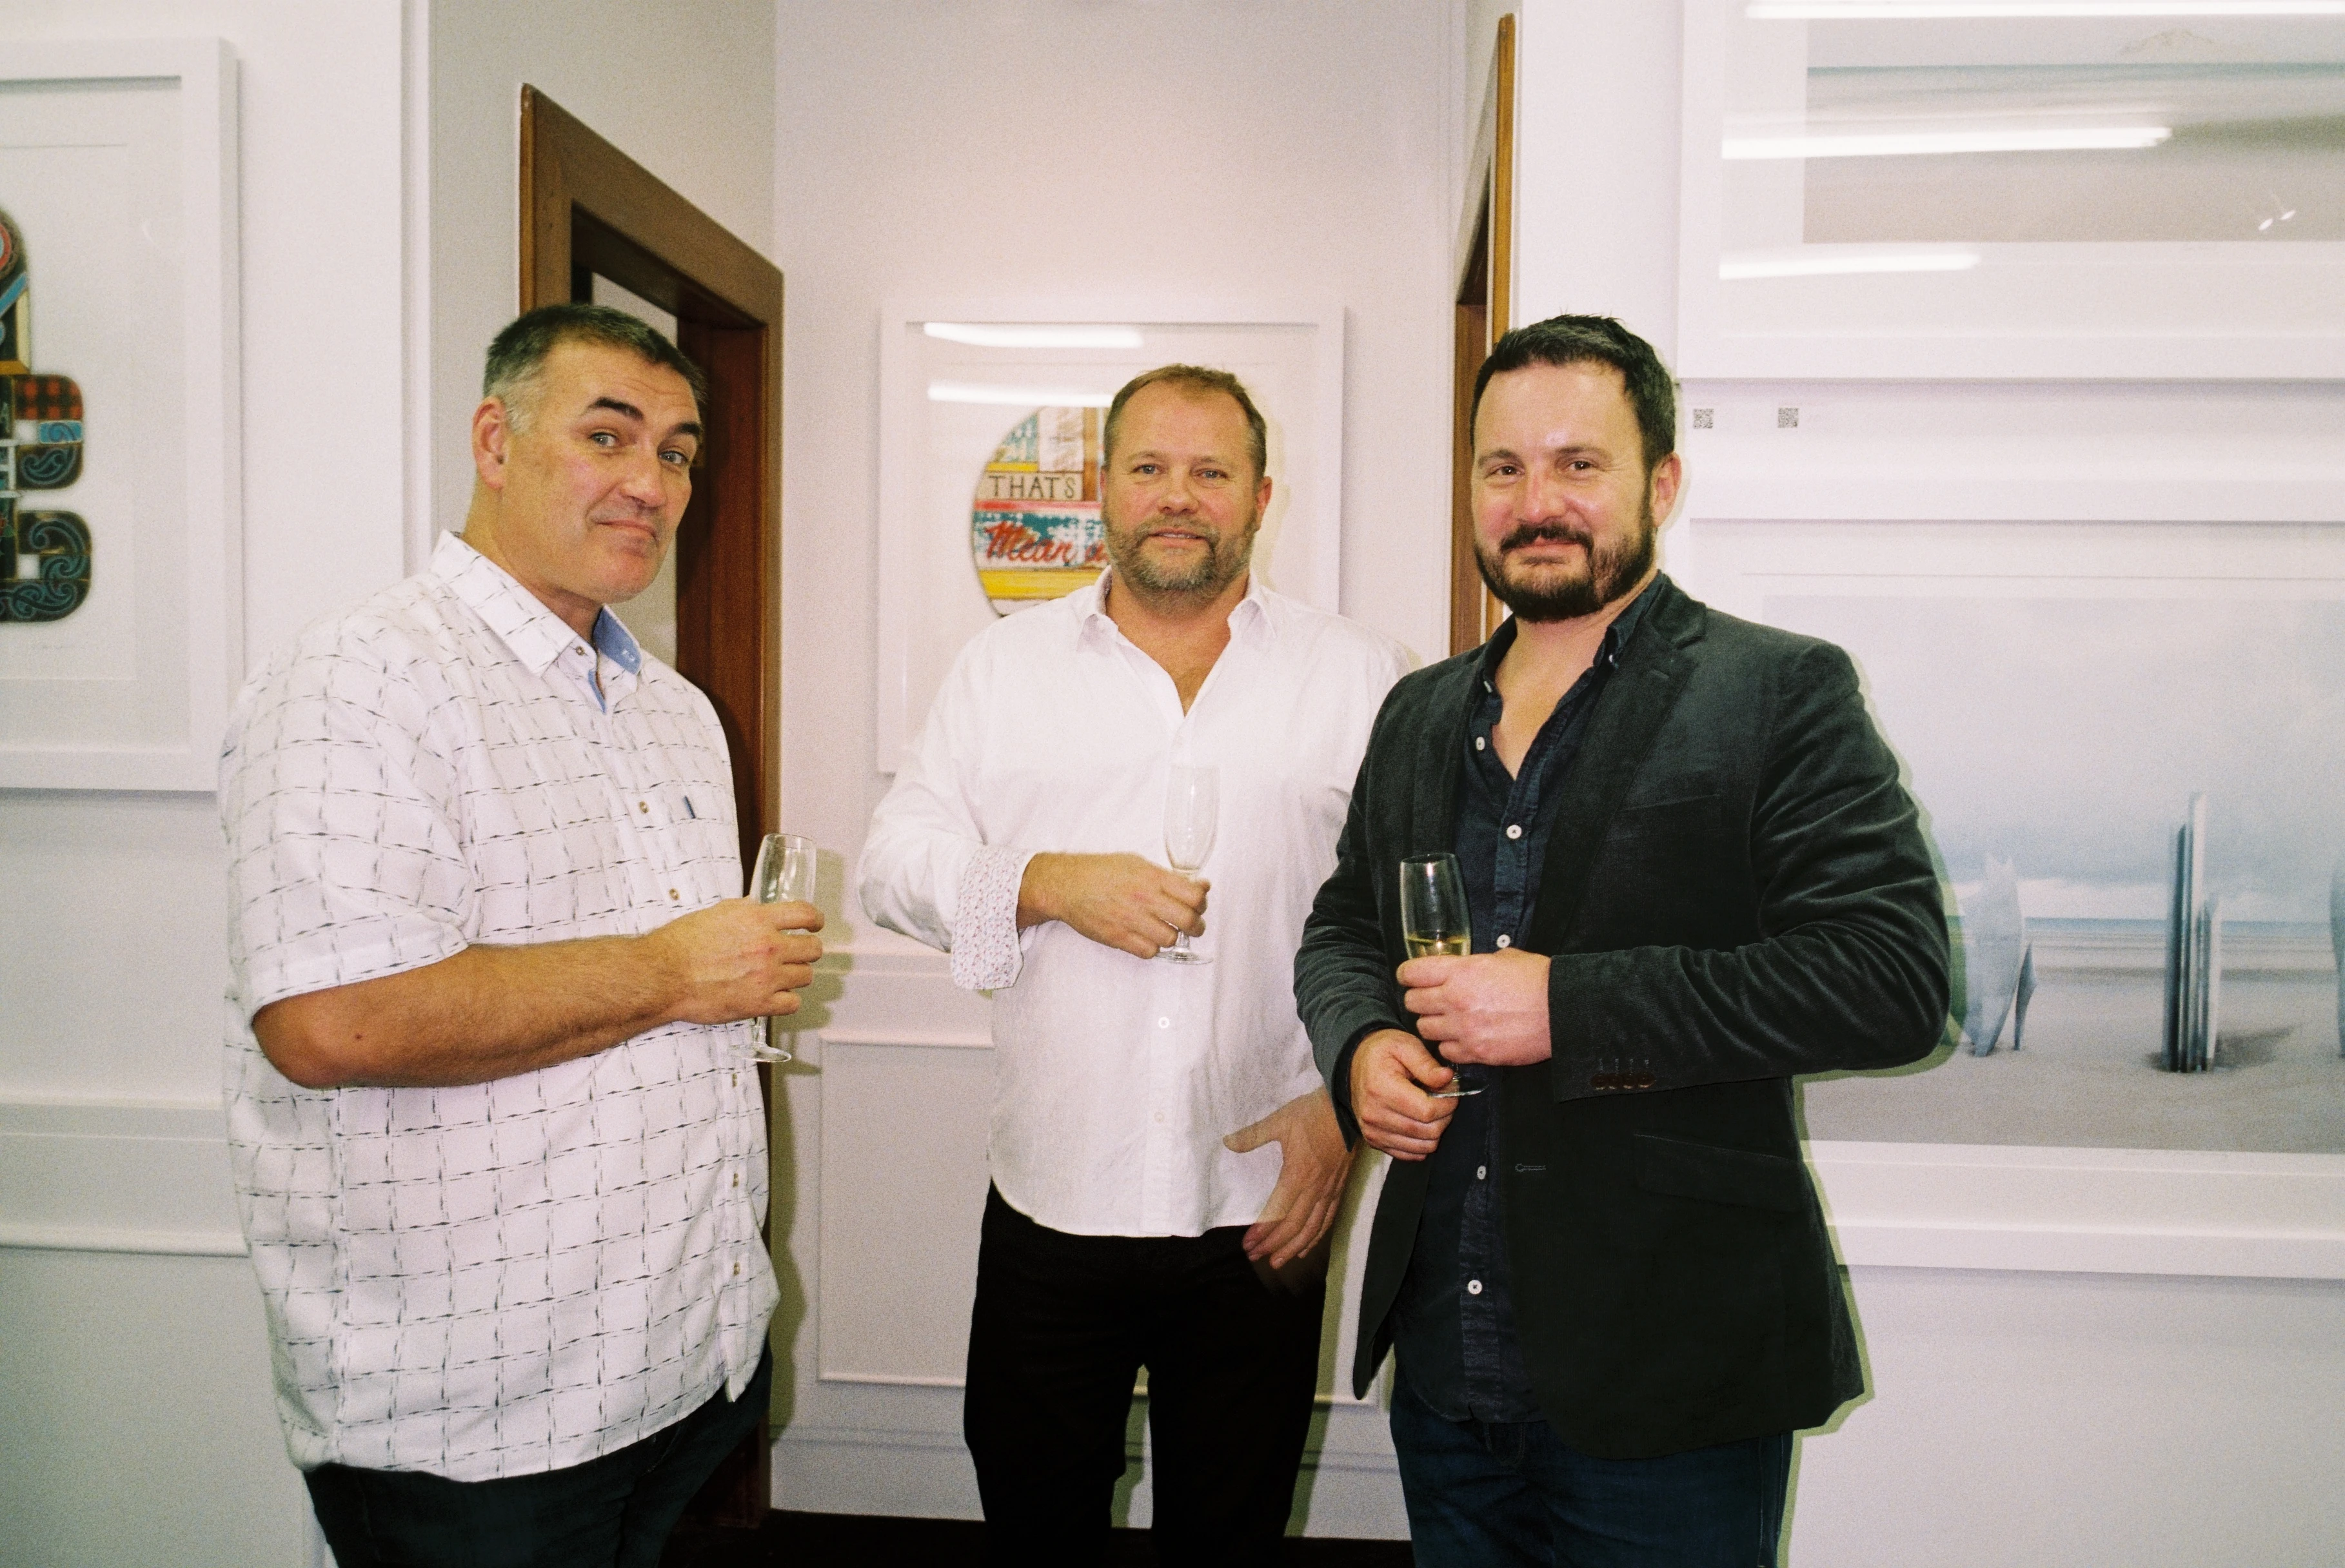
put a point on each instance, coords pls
(1192, 803)
(785, 873)
(1436, 922)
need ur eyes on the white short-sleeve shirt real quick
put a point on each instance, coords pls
(521, 1275)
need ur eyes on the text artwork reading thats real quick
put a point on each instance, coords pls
(1035, 527)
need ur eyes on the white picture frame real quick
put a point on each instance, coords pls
(136, 697)
(2117, 310)
(934, 444)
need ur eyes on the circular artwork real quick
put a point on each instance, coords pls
(1035, 526)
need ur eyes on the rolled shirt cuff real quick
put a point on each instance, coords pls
(986, 952)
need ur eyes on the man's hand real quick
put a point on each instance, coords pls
(740, 959)
(1313, 1165)
(1484, 1007)
(1120, 901)
(1391, 1073)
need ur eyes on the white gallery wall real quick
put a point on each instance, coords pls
(136, 1420)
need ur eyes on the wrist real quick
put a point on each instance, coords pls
(1037, 899)
(664, 974)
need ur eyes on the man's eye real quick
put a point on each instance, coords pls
(679, 460)
(602, 439)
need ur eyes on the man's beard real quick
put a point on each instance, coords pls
(1201, 577)
(1543, 593)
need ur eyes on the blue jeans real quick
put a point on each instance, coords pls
(615, 1511)
(1483, 1494)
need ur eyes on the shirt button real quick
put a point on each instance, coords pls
(671, 894)
(1514, 830)
(1473, 1287)
(1481, 1173)
(1159, 1116)
(1505, 941)
(642, 805)
(1479, 743)
(1163, 1023)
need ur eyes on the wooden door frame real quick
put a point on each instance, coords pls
(1485, 299)
(587, 208)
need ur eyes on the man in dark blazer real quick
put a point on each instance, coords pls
(1693, 874)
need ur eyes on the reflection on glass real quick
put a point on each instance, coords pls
(2020, 128)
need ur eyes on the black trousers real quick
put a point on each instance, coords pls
(615, 1511)
(1061, 1328)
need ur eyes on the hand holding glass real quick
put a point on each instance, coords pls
(785, 873)
(1192, 803)
(1436, 922)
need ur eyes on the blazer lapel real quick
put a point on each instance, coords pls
(1432, 808)
(1643, 687)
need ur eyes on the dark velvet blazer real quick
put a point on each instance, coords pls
(1736, 891)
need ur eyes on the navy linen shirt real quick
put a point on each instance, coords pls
(1453, 1323)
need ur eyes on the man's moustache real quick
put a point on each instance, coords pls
(1546, 533)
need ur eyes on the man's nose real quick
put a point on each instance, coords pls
(645, 478)
(1544, 496)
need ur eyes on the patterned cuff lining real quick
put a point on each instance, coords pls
(986, 954)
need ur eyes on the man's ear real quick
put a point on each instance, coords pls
(491, 439)
(1669, 478)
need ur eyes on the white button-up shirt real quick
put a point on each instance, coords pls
(1116, 1077)
(521, 1275)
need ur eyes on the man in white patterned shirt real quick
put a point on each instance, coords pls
(1166, 1164)
(499, 1164)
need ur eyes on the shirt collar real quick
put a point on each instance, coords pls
(1616, 635)
(1254, 619)
(535, 634)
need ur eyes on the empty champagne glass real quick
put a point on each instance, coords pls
(1192, 803)
(1437, 921)
(785, 873)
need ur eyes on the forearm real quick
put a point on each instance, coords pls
(1806, 1003)
(485, 1013)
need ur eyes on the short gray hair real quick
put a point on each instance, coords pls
(517, 356)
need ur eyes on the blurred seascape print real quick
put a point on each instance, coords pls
(2067, 737)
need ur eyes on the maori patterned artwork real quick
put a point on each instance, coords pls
(45, 556)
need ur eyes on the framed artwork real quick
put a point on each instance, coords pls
(2022, 189)
(991, 432)
(120, 610)
(2075, 705)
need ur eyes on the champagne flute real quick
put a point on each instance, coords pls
(1437, 921)
(785, 873)
(1192, 801)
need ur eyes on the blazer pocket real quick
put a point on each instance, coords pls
(1694, 816)
(1715, 1175)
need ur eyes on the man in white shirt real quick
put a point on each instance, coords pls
(499, 1161)
(1165, 1168)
